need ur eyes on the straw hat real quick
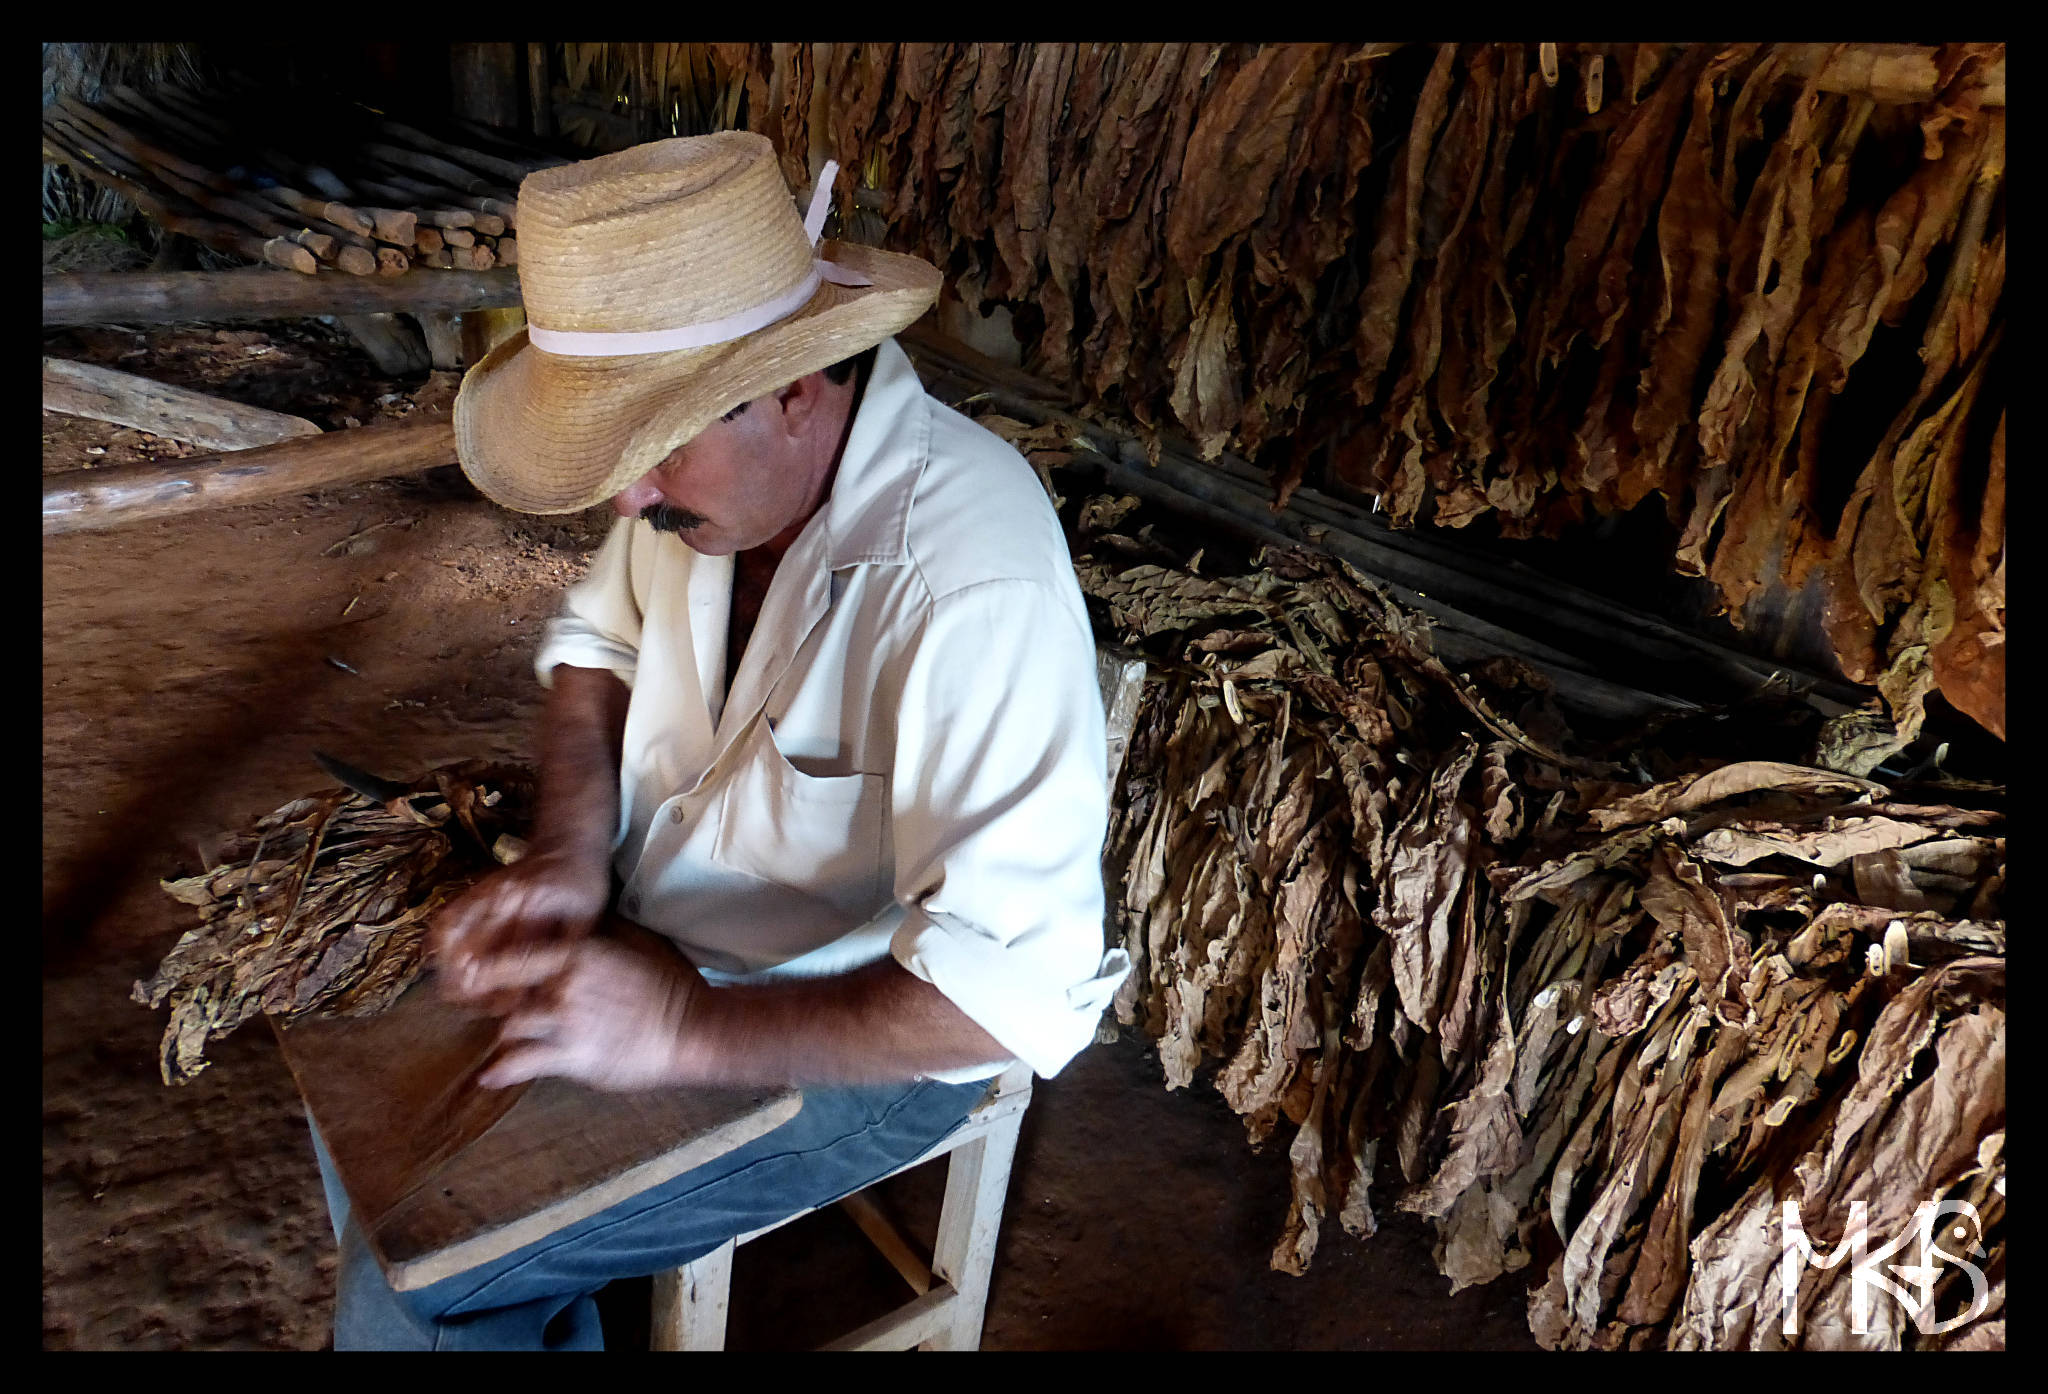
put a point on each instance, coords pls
(664, 285)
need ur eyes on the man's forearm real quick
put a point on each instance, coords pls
(583, 735)
(874, 1025)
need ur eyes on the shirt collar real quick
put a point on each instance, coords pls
(867, 517)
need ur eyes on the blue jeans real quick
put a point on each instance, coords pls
(540, 1297)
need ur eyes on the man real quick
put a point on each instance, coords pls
(824, 709)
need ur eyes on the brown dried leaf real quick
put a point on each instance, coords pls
(1485, 1139)
(1694, 792)
(1831, 844)
(1426, 870)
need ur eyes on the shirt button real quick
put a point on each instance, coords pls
(632, 903)
(675, 815)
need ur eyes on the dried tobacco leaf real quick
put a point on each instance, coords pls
(334, 921)
(1394, 248)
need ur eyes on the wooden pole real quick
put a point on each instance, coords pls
(420, 190)
(202, 133)
(538, 85)
(349, 237)
(444, 338)
(398, 226)
(138, 149)
(453, 176)
(250, 209)
(87, 499)
(211, 296)
(173, 111)
(461, 154)
(485, 82)
(176, 413)
(116, 150)
(173, 214)
(482, 137)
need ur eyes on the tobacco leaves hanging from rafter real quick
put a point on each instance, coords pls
(1426, 273)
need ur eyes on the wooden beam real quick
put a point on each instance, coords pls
(485, 79)
(1607, 659)
(444, 338)
(176, 413)
(888, 1240)
(541, 114)
(912, 1324)
(81, 500)
(260, 293)
(90, 161)
(977, 1180)
(690, 1303)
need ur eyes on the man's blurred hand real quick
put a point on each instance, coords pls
(549, 896)
(610, 1011)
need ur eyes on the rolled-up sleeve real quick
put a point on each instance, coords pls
(999, 810)
(599, 626)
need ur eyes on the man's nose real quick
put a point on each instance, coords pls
(636, 497)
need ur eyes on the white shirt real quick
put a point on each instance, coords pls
(911, 759)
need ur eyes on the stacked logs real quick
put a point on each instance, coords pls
(361, 193)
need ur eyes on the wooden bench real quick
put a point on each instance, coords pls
(690, 1302)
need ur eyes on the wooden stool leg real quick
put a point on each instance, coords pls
(690, 1303)
(977, 1181)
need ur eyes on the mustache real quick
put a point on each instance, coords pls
(666, 517)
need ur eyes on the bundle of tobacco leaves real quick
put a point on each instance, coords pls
(321, 908)
(1587, 1018)
(1309, 804)
(1756, 985)
(1530, 281)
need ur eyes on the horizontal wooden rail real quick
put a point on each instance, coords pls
(260, 293)
(175, 413)
(84, 499)
(910, 1325)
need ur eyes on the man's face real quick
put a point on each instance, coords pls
(733, 487)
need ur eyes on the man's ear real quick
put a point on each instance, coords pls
(797, 400)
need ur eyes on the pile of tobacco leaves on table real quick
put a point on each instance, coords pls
(322, 907)
(1583, 1019)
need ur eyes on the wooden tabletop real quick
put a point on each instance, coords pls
(443, 1176)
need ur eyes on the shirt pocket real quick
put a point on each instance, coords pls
(821, 836)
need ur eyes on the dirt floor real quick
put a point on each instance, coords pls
(189, 669)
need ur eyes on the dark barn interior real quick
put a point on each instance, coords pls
(1556, 494)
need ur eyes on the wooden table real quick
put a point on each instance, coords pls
(443, 1176)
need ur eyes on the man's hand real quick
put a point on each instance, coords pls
(609, 1012)
(624, 1010)
(557, 891)
(551, 895)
